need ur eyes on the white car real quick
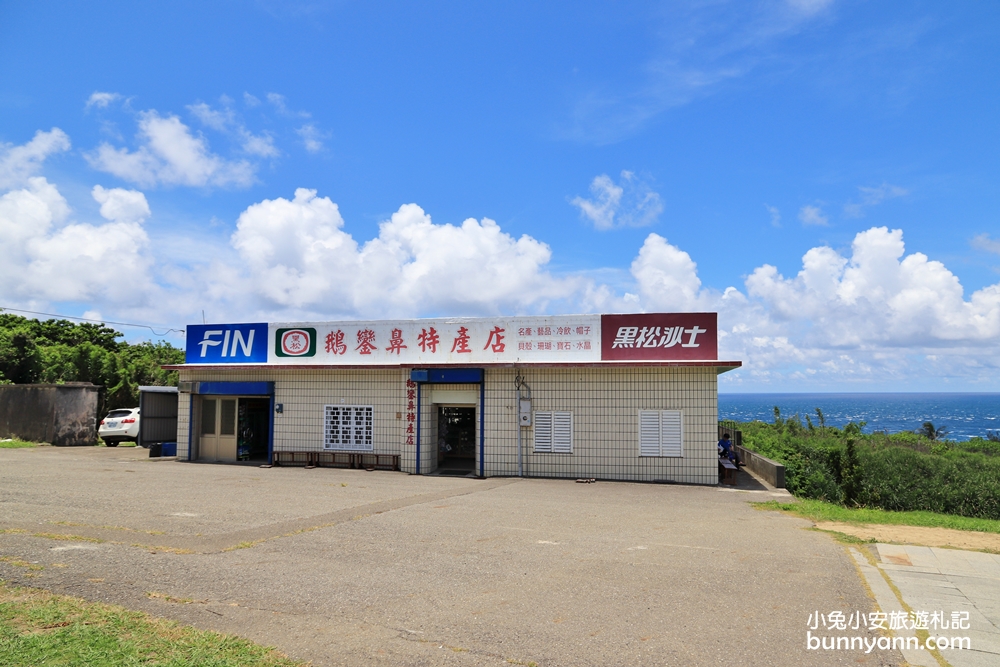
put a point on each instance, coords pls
(120, 425)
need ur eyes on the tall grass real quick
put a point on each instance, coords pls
(897, 472)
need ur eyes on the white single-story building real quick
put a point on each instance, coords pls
(623, 397)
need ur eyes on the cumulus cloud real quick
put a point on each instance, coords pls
(169, 154)
(102, 100)
(876, 314)
(120, 205)
(813, 215)
(629, 203)
(49, 258)
(299, 256)
(667, 277)
(879, 296)
(19, 163)
(873, 197)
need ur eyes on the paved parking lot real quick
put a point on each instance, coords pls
(345, 567)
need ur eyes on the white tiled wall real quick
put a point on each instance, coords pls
(605, 403)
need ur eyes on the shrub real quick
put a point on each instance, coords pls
(900, 472)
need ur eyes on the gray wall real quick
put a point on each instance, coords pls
(60, 414)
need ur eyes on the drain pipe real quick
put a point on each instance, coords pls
(523, 418)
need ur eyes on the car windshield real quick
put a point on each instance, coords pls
(117, 414)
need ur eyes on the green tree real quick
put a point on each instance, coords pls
(931, 433)
(60, 351)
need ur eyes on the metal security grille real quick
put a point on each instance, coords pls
(554, 432)
(349, 428)
(661, 433)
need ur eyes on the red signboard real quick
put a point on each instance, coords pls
(660, 336)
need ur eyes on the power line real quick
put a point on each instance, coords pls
(84, 319)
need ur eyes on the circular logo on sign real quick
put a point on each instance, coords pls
(295, 342)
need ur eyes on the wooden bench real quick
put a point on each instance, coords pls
(337, 460)
(728, 469)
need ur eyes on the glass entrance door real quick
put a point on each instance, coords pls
(217, 435)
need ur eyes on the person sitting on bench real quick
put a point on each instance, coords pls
(726, 450)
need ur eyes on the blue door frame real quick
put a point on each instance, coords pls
(424, 376)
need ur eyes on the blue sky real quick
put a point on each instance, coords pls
(743, 135)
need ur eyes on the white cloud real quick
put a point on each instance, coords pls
(630, 203)
(278, 101)
(19, 163)
(813, 215)
(120, 205)
(170, 155)
(667, 277)
(47, 258)
(873, 197)
(775, 215)
(878, 315)
(261, 145)
(250, 100)
(217, 120)
(298, 256)
(699, 47)
(878, 298)
(101, 100)
(984, 242)
(809, 7)
(312, 138)
(226, 120)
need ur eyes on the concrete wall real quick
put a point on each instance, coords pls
(605, 403)
(60, 414)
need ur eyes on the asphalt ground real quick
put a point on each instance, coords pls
(350, 567)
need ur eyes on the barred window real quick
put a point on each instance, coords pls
(553, 432)
(349, 427)
(661, 433)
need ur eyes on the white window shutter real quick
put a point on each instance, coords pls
(671, 433)
(543, 432)
(562, 432)
(649, 433)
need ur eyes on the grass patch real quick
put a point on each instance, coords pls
(818, 510)
(157, 549)
(17, 444)
(38, 627)
(153, 595)
(17, 562)
(89, 525)
(68, 538)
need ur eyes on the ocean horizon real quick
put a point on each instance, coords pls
(964, 414)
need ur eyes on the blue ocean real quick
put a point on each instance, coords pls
(964, 415)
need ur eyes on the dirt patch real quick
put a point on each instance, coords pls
(929, 537)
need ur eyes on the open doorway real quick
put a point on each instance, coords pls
(253, 429)
(456, 440)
